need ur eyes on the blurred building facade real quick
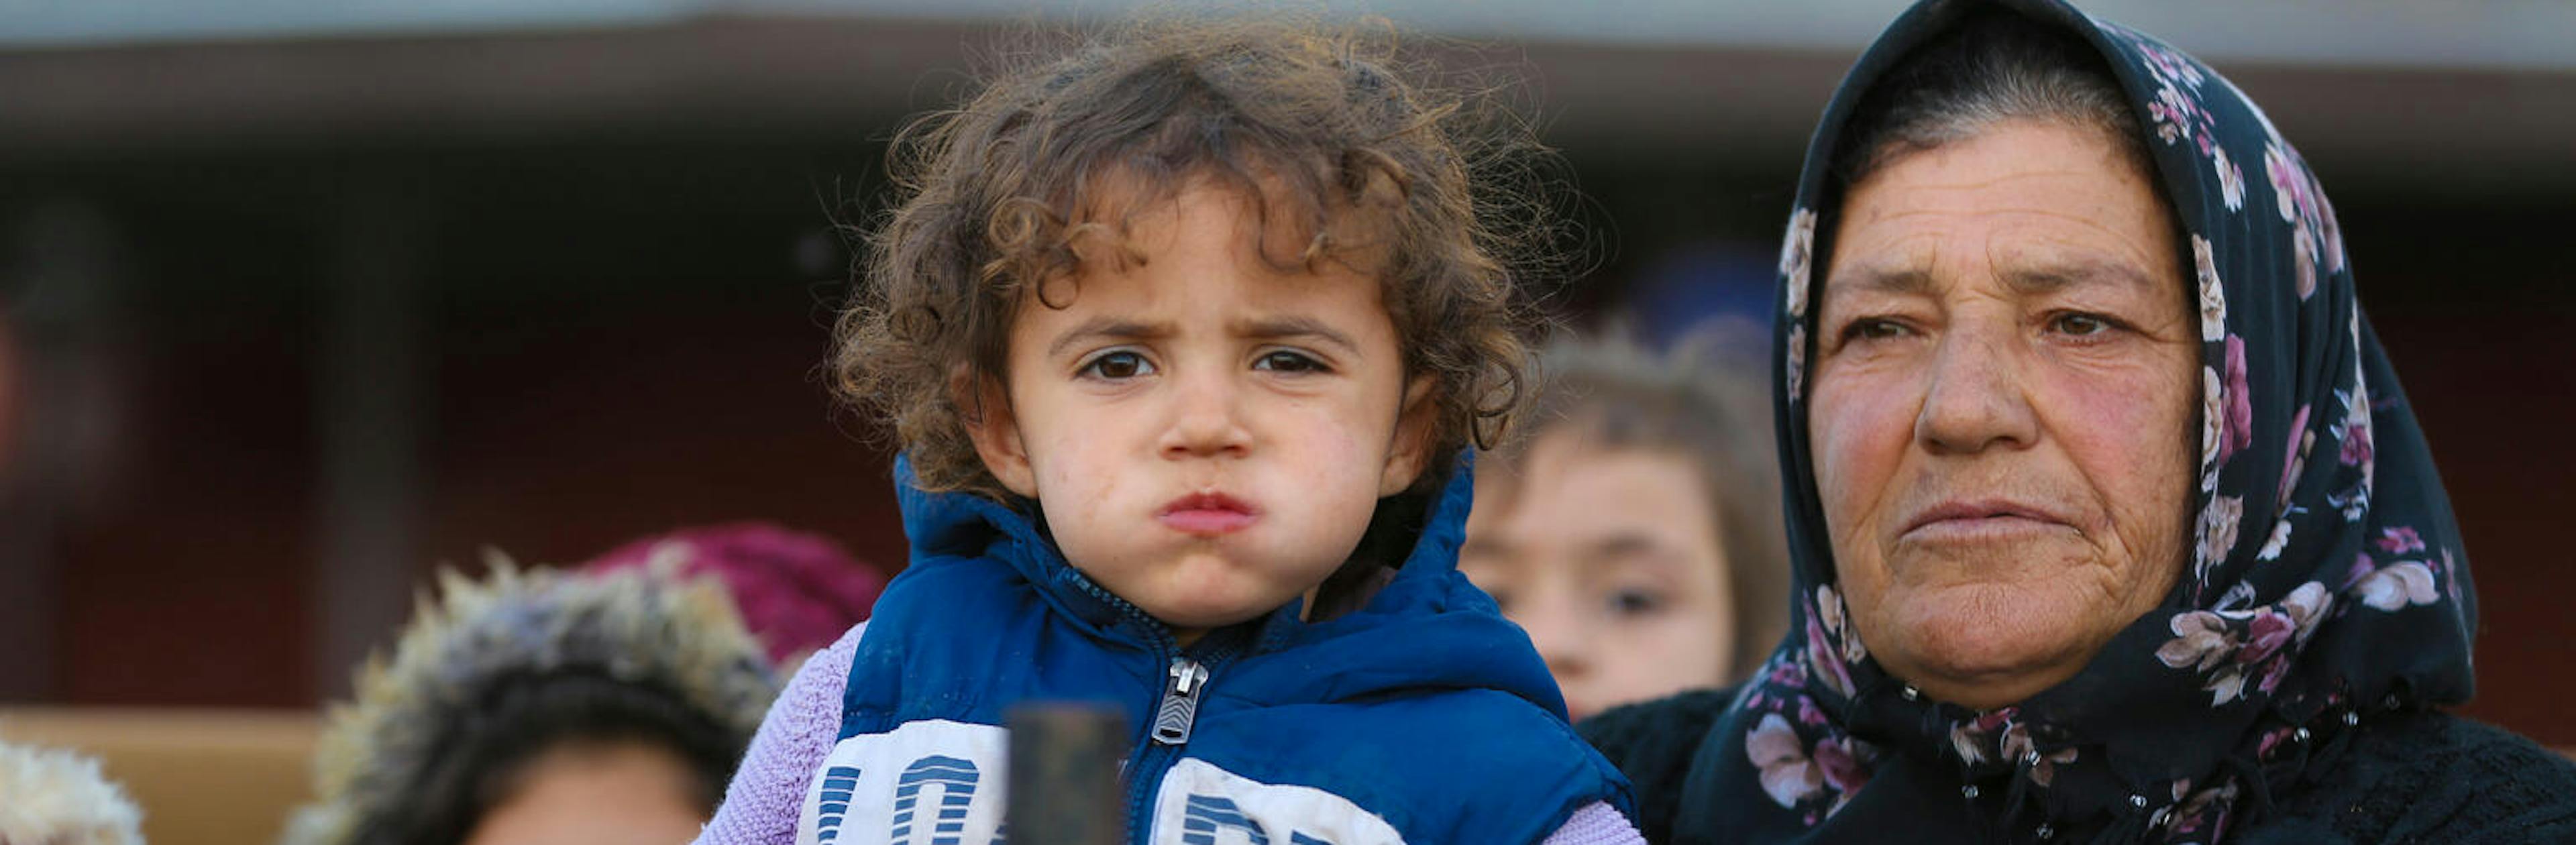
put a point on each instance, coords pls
(299, 300)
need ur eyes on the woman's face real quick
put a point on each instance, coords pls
(2004, 379)
(1611, 560)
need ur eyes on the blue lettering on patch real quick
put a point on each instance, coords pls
(837, 782)
(955, 780)
(1206, 815)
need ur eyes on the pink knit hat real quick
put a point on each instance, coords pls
(798, 592)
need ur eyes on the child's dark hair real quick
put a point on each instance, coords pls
(480, 760)
(1003, 200)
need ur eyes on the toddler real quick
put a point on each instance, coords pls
(1183, 335)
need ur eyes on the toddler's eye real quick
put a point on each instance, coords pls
(1117, 366)
(1288, 362)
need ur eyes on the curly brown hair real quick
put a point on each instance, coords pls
(995, 204)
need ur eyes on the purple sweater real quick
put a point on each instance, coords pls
(768, 791)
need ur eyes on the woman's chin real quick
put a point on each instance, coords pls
(1987, 654)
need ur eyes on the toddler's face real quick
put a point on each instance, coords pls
(1207, 435)
(1611, 560)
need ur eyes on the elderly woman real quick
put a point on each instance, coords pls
(2108, 517)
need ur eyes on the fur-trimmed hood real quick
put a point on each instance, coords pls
(647, 626)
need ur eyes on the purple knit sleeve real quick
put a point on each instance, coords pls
(1596, 824)
(768, 790)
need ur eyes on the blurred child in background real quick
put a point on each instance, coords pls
(544, 707)
(1633, 529)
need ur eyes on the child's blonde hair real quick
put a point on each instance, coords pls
(1003, 200)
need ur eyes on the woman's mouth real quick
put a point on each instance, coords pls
(1982, 521)
(1207, 514)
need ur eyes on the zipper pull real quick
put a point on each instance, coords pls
(1180, 707)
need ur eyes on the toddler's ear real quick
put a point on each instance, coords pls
(985, 408)
(1413, 426)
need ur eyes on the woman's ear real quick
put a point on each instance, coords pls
(1413, 426)
(985, 407)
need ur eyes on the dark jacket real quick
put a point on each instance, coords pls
(2415, 776)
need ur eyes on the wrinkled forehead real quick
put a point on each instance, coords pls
(2025, 208)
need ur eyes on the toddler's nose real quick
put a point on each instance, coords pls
(1206, 422)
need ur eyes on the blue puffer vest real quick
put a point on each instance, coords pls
(1422, 717)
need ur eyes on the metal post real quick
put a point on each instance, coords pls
(369, 397)
(1064, 780)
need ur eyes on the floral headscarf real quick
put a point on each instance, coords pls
(2326, 580)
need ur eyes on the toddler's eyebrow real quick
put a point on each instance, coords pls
(1277, 328)
(1108, 327)
(1267, 328)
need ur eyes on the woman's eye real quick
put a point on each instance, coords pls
(1288, 362)
(1117, 366)
(2080, 325)
(1636, 602)
(1873, 328)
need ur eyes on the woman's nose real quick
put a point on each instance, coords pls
(1976, 397)
(1207, 419)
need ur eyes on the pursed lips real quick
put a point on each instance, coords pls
(1207, 514)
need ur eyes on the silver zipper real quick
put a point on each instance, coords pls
(1180, 707)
